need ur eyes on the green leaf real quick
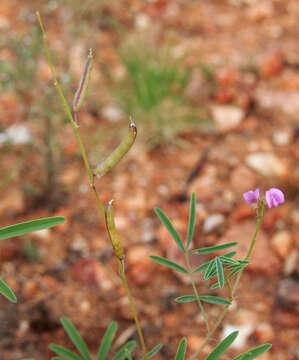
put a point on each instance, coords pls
(6, 291)
(192, 219)
(215, 286)
(212, 249)
(206, 265)
(76, 338)
(220, 273)
(223, 346)
(166, 222)
(30, 226)
(128, 354)
(214, 300)
(121, 355)
(153, 352)
(180, 355)
(107, 341)
(168, 263)
(186, 299)
(65, 353)
(233, 273)
(254, 353)
(211, 268)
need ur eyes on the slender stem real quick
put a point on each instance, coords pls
(132, 306)
(71, 118)
(232, 292)
(196, 292)
(229, 287)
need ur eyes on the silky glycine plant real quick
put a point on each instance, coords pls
(225, 270)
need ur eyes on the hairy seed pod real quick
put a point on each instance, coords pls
(83, 84)
(115, 157)
(109, 218)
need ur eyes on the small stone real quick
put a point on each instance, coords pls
(18, 134)
(281, 138)
(244, 332)
(112, 113)
(90, 272)
(264, 332)
(291, 263)
(272, 65)
(242, 179)
(12, 202)
(213, 222)
(288, 294)
(282, 243)
(138, 254)
(263, 260)
(30, 289)
(287, 319)
(266, 164)
(142, 274)
(227, 117)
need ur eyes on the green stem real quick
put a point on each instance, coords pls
(71, 118)
(196, 292)
(232, 292)
(132, 306)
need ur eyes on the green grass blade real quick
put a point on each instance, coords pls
(154, 351)
(107, 341)
(214, 300)
(254, 353)
(169, 264)
(65, 353)
(6, 291)
(192, 219)
(166, 222)
(76, 338)
(180, 355)
(223, 346)
(186, 299)
(220, 273)
(211, 249)
(122, 354)
(30, 226)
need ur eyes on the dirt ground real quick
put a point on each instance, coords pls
(253, 103)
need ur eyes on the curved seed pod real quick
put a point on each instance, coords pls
(115, 157)
(109, 218)
(83, 84)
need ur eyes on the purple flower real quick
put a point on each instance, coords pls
(274, 197)
(252, 196)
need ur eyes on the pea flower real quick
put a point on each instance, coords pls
(274, 197)
(251, 196)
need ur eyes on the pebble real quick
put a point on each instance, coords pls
(112, 113)
(282, 243)
(288, 294)
(213, 222)
(272, 65)
(12, 201)
(227, 117)
(266, 163)
(244, 332)
(17, 135)
(264, 333)
(242, 179)
(263, 259)
(90, 272)
(281, 137)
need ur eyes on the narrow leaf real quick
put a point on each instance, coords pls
(180, 355)
(254, 353)
(233, 273)
(76, 338)
(215, 286)
(214, 300)
(166, 222)
(220, 273)
(192, 219)
(6, 291)
(154, 351)
(210, 269)
(186, 299)
(65, 353)
(30, 226)
(212, 249)
(107, 341)
(202, 267)
(223, 346)
(168, 263)
(122, 352)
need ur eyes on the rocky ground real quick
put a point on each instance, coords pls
(253, 104)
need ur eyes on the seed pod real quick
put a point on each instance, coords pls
(83, 84)
(109, 218)
(115, 157)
